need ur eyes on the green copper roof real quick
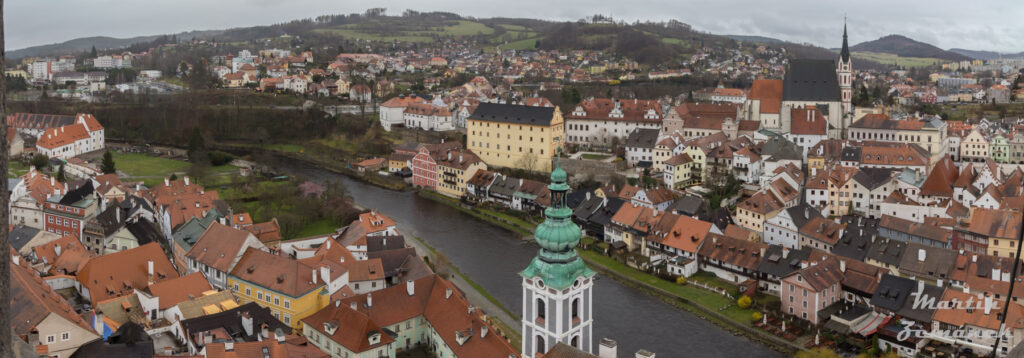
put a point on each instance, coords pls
(556, 262)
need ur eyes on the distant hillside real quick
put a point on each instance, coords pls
(101, 43)
(755, 39)
(985, 55)
(906, 47)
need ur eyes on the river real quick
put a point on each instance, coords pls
(493, 257)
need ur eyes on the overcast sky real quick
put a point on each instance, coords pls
(978, 25)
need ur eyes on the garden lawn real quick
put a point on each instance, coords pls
(594, 156)
(316, 228)
(695, 294)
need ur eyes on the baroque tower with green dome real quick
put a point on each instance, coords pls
(557, 285)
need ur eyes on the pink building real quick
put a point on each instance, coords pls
(424, 169)
(807, 291)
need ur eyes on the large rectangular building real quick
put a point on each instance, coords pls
(515, 136)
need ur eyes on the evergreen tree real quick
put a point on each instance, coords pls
(61, 175)
(92, 54)
(108, 163)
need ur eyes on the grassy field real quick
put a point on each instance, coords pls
(885, 58)
(152, 170)
(142, 165)
(400, 31)
(526, 44)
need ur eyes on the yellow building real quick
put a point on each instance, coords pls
(679, 171)
(752, 213)
(16, 73)
(515, 136)
(1000, 227)
(455, 169)
(291, 289)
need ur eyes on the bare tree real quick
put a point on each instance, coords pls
(5, 269)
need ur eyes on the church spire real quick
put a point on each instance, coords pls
(844, 54)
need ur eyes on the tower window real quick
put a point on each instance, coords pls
(575, 310)
(540, 345)
(541, 311)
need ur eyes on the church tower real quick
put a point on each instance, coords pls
(557, 285)
(845, 73)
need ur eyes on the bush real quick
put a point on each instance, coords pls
(756, 316)
(680, 280)
(218, 158)
(40, 161)
(744, 302)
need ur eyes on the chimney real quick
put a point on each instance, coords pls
(369, 300)
(410, 287)
(57, 249)
(279, 335)
(16, 259)
(337, 303)
(325, 274)
(149, 264)
(921, 255)
(995, 273)
(842, 266)
(265, 331)
(447, 293)
(167, 182)
(52, 182)
(186, 181)
(247, 323)
(314, 276)
(483, 331)
(352, 305)
(97, 320)
(762, 252)
(607, 349)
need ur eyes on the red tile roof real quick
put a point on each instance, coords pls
(219, 246)
(808, 121)
(32, 300)
(120, 273)
(633, 110)
(177, 290)
(770, 94)
(62, 136)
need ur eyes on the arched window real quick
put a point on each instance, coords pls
(541, 349)
(541, 311)
(576, 342)
(575, 309)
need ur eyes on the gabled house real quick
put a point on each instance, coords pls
(812, 289)
(120, 273)
(42, 318)
(732, 260)
(218, 251)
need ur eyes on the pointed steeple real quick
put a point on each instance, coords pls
(844, 54)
